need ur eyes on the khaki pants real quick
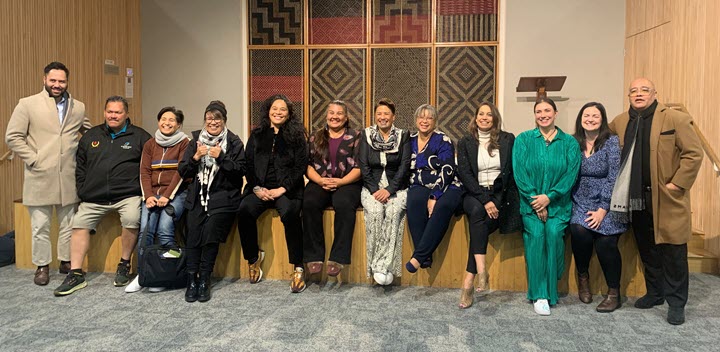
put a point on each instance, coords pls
(40, 219)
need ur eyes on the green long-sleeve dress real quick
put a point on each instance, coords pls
(550, 169)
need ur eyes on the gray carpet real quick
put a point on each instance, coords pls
(267, 317)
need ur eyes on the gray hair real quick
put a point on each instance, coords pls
(426, 107)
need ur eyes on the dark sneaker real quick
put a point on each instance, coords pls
(122, 275)
(72, 283)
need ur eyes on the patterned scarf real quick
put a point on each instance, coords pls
(208, 167)
(376, 141)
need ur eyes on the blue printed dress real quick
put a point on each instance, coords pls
(594, 188)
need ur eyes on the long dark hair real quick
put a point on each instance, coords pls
(292, 131)
(322, 136)
(494, 130)
(603, 134)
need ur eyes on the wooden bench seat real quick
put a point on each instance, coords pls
(506, 262)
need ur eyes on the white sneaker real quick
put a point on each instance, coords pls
(379, 278)
(156, 289)
(389, 278)
(134, 285)
(542, 307)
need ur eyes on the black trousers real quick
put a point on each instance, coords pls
(428, 231)
(481, 226)
(665, 265)
(204, 234)
(345, 201)
(606, 247)
(252, 207)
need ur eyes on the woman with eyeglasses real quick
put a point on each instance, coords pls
(276, 162)
(435, 191)
(491, 198)
(385, 165)
(546, 162)
(215, 160)
(592, 223)
(334, 179)
(163, 189)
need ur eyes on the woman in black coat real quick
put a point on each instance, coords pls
(277, 158)
(491, 201)
(215, 160)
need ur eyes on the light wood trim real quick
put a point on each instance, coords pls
(505, 257)
(6, 155)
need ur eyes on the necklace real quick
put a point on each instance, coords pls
(548, 138)
(590, 147)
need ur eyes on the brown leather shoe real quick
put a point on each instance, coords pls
(297, 283)
(611, 302)
(584, 288)
(42, 276)
(314, 267)
(334, 268)
(64, 268)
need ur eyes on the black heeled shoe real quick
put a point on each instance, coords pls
(191, 292)
(204, 290)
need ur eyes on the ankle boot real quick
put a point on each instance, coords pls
(611, 302)
(204, 293)
(584, 288)
(191, 292)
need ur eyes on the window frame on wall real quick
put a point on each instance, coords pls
(369, 47)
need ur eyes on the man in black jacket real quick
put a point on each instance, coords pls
(108, 179)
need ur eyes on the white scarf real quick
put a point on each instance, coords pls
(208, 167)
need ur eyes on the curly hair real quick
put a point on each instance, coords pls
(292, 131)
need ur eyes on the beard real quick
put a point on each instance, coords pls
(54, 95)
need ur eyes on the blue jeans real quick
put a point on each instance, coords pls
(160, 223)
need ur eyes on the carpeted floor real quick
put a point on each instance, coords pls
(267, 317)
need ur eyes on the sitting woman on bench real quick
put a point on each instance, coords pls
(276, 162)
(334, 179)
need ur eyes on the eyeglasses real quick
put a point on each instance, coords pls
(634, 92)
(213, 119)
(425, 118)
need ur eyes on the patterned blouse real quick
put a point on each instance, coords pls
(434, 166)
(345, 158)
(594, 188)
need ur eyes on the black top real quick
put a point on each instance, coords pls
(289, 164)
(225, 190)
(397, 168)
(108, 170)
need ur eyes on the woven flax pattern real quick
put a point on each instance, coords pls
(275, 72)
(276, 22)
(337, 74)
(402, 75)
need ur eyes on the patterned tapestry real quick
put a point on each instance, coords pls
(337, 21)
(465, 78)
(403, 76)
(276, 22)
(275, 72)
(466, 20)
(337, 74)
(401, 21)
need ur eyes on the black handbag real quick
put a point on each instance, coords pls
(161, 266)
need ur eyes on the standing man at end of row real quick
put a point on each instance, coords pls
(44, 131)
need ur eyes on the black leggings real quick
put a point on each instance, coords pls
(202, 258)
(606, 247)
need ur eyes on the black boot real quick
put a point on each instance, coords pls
(204, 293)
(191, 293)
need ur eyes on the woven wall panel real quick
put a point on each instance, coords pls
(466, 20)
(337, 22)
(401, 21)
(276, 22)
(402, 75)
(275, 72)
(337, 74)
(465, 78)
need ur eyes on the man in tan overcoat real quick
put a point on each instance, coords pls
(43, 131)
(662, 155)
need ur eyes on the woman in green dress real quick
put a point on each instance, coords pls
(546, 162)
